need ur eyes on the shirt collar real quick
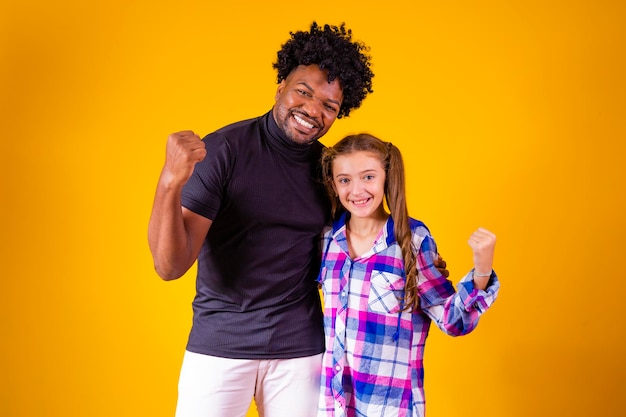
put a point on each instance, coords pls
(339, 233)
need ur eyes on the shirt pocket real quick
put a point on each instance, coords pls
(386, 292)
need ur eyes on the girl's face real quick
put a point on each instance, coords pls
(359, 181)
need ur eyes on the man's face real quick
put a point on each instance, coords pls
(307, 104)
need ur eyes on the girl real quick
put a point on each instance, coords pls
(381, 289)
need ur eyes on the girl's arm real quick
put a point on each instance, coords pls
(456, 312)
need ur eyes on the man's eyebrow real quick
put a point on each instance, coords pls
(304, 83)
(334, 102)
(311, 89)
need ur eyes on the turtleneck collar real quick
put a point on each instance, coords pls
(277, 140)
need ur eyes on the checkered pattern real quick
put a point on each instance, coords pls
(373, 363)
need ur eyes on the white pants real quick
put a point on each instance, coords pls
(210, 386)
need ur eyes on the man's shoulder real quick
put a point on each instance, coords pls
(237, 129)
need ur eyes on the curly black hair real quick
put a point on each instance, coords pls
(333, 50)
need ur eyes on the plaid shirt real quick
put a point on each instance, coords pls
(373, 363)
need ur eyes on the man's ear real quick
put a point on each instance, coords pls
(279, 90)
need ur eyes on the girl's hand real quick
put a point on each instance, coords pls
(483, 244)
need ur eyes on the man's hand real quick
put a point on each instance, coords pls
(184, 149)
(440, 264)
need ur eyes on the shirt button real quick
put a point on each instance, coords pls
(343, 293)
(338, 367)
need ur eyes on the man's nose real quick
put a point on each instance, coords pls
(313, 108)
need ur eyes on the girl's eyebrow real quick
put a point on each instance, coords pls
(359, 173)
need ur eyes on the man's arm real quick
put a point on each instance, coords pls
(175, 234)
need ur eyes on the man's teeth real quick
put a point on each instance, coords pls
(303, 122)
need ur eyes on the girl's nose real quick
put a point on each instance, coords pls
(357, 187)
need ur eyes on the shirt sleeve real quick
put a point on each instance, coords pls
(454, 312)
(325, 240)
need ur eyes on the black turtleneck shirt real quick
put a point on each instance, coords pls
(256, 291)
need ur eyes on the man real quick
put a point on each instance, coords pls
(247, 202)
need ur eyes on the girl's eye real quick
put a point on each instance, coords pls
(342, 181)
(368, 177)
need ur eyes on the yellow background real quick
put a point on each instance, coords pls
(510, 115)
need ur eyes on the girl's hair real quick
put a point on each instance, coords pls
(395, 197)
